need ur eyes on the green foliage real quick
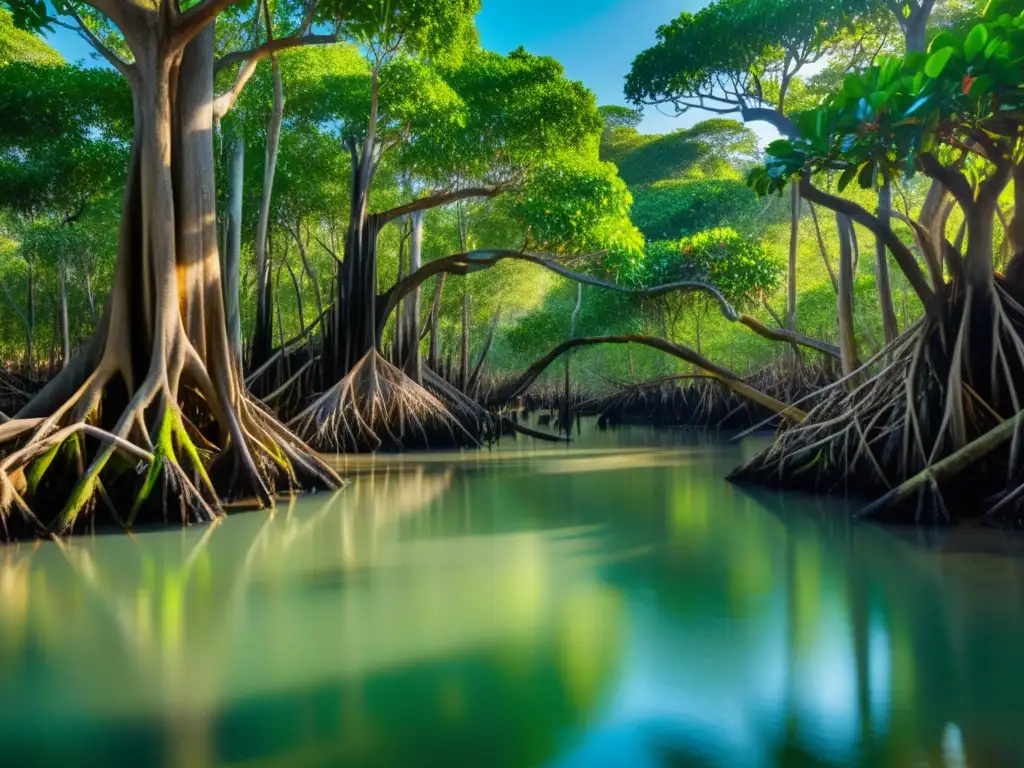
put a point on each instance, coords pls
(671, 209)
(615, 116)
(427, 27)
(738, 266)
(19, 45)
(63, 139)
(728, 51)
(578, 205)
(708, 148)
(884, 120)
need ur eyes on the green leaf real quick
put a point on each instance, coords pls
(847, 177)
(975, 42)
(866, 176)
(937, 62)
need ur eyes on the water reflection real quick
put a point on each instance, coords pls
(605, 605)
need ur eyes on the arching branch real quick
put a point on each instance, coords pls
(903, 255)
(124, 67)
(441, 198)
(474, 261)
(727, 377)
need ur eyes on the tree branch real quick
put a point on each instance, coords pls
(950, 178)
(727, 377)
(124, 67)
(441, 198)
(903, 255)
(465, 263)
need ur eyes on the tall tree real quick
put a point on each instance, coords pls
(951, 114)
(743, 57)
(156, 383)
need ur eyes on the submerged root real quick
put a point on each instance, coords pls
(934, 420)
(377, 407)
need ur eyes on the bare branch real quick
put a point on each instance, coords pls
(465, 263)
(124, 67)
(727, 377)
(441, 198)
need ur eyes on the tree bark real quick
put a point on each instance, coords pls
(414, 360)
(434, 350)
(883, 284)
(162, 341)
(794, 244)
(232, 260)
(30, 325)
(62, 297)
(263, 335)
(844, 310)
(464, 347)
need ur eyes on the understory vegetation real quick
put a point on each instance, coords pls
(250, 233)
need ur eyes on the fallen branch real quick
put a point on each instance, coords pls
(948, 467)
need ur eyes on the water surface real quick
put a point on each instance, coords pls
(613, 603)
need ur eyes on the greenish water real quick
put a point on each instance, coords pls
(615, 603)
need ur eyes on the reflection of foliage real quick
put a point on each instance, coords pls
(738, 266)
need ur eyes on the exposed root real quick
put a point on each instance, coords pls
(377, 407)
(98, 459)
(947, 399)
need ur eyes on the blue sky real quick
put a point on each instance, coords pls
(596, 40)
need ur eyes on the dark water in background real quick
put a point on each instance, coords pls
(615, 603)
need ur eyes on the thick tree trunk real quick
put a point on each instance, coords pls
(231, 264)
(263, 335)
(156, 381)
(844, 310)
(794, 244)
(889, 324)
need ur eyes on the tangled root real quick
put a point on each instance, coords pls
(891, 428)
(190, 445)
(377, 407)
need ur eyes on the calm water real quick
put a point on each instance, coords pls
(611, 604)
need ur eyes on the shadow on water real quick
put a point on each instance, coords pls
(610, 603)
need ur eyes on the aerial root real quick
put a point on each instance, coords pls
(376, 406)
(941, 400)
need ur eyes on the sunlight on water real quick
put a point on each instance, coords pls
(613, 603)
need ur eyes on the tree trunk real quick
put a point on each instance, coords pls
(414, 361)
(91, 297)
(889, 324)
(464, 347)
(566, 407)
(62, 297)
(263, 335)
(30, 325)
(231, 265)
(794, 243)
(844, 309)
(156, 381)
(434, 350)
